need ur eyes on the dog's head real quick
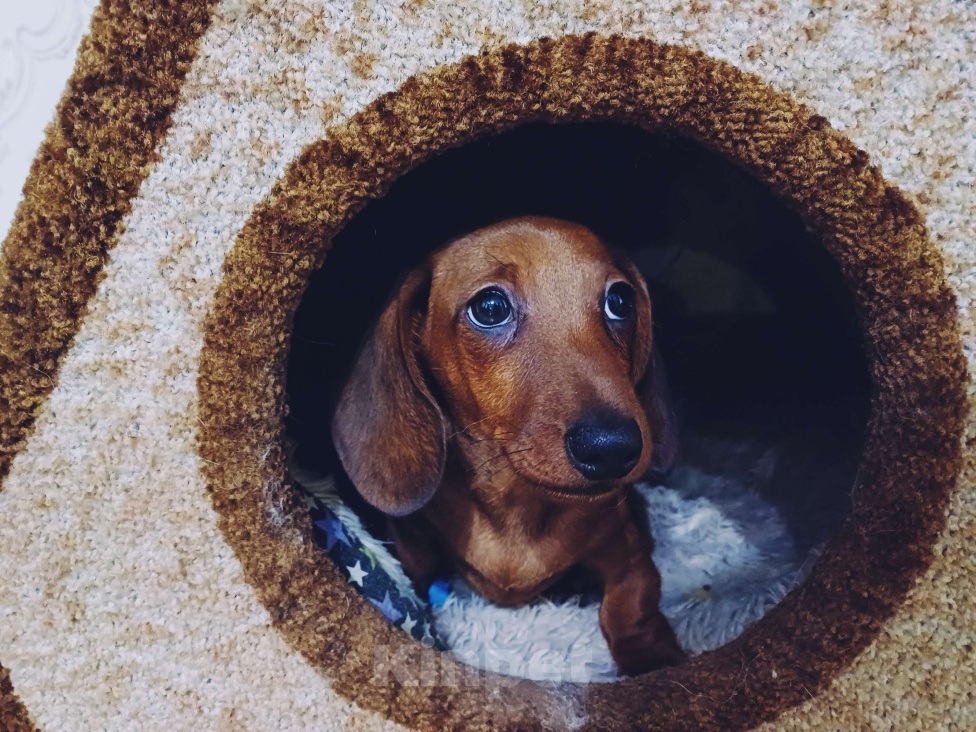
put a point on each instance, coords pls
(528, 341)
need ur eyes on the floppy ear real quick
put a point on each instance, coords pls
(388, 429)
(656, 397)
(651, 378)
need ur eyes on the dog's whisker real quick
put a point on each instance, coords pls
(479, 421)
(464, 429)
(623, 497)
(495, 438)
(545, 475)
(477, 470)
(489, 460)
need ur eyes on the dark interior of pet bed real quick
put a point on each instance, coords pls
(754, 323)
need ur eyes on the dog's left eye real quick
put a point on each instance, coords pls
(490, 308)
(619, 302)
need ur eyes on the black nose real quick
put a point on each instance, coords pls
(604, 446)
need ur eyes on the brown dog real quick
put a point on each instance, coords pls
(505, 401)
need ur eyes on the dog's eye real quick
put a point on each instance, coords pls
(490, 308)
(619, 302)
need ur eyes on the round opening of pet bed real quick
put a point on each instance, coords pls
(757, 331)
(799, 306)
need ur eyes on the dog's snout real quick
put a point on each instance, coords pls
(604, 446)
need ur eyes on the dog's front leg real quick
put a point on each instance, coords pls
(421, 558)
(639, 636)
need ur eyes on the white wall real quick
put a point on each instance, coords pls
(38, 42)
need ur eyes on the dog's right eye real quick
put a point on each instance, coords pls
(489, 308)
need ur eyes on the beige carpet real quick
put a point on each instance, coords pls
(157, 569)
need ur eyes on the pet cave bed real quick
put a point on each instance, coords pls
(160, 567)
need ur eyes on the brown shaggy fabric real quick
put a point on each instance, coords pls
(908, 315)
(13, 715)
(97, 152)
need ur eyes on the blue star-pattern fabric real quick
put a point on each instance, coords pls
(360, 567)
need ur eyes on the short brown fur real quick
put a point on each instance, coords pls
(483, 470)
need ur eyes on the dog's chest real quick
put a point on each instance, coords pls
(506, 566)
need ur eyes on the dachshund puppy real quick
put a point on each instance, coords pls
(503, 405)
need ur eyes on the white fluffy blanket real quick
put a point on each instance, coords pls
(725, 558)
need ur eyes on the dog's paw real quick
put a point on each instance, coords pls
(647, 649)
